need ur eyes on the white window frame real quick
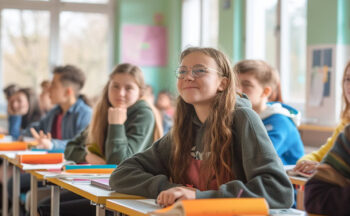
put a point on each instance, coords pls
(205, 30)
(55, 7)
(255, 46)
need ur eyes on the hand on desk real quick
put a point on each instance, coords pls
(170, 196)
(306, 166)
(44, 140)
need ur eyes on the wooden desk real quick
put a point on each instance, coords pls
(92, 193)
(299, 183)
(139, 207)
(316, 128)
(9, 157)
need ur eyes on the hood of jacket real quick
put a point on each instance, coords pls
(282, 109)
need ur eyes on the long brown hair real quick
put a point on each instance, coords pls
(218, 135)
(99, 123)
(34, 112)
(345, 112)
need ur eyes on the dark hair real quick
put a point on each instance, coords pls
(45, 84)
(34, 113)
(10, 90)
(71, 75)
(74, 77)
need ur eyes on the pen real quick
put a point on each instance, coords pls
(240, 193)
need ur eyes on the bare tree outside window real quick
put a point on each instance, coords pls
(25, 45)
(83, 42)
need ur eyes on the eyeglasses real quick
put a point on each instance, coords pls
(197, 71)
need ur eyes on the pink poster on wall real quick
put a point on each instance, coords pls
(144, 45)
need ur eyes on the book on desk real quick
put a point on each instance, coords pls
(225, 206)
(90, 168)
(219, 207)
(101, 183)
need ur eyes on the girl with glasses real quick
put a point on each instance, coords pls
(218, 146)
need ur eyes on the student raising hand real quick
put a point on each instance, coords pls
(44, 140)
(117, 115)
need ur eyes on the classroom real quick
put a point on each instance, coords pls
(98, 115)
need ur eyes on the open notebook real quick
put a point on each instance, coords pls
(291, 172)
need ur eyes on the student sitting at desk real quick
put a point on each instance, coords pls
(68, 118)
(309, 162)
(258, 80)
(123, 124)
(218, 146)
(23, 110)
(328, 191)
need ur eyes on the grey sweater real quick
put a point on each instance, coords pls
(258, 169)
(122, 141)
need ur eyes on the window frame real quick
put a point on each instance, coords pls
(55, 7)
(282, 48)
(205, 32)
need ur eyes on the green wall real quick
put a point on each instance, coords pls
(321, 22)
(232, 28)
(142, 12)
(328, 22)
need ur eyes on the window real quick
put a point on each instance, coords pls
(200, 21)
(293, 50)
(276, 33)
(37, 35)
(261, 25)
(25, 46)
(83, 42)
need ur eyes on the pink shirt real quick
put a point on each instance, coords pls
(193, 176)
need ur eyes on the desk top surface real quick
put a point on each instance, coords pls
(313, 127)
(140, 207)
(90, 192)
(297, 180)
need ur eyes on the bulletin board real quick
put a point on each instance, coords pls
(322, 80)
(144, 45)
